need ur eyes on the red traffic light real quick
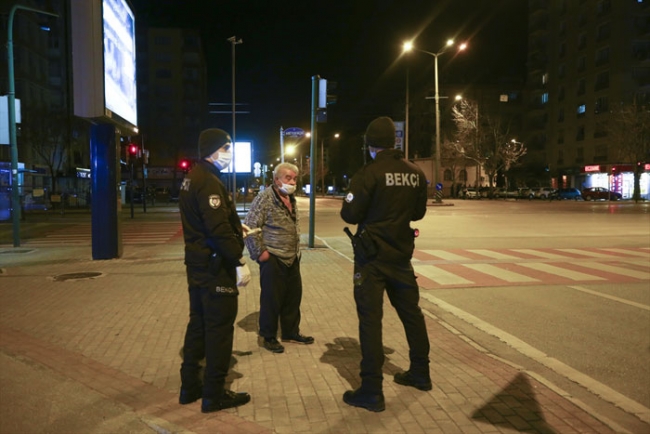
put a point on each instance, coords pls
(133, 149)
(184, 165)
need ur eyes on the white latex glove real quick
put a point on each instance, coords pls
(248, 231)
(243, 275)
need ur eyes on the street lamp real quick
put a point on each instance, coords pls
(11, 102)
(234, 41)
(408, 46)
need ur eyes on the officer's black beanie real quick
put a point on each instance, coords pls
(381, 133)
(212, 139)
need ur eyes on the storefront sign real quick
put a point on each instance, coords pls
(595, 168)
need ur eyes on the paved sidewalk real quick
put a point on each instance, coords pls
(110, 346)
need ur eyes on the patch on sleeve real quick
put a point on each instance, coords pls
(185, 186)
(215, 201)
(349, 198)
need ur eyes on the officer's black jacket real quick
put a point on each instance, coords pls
(384, 197)
(209, 218)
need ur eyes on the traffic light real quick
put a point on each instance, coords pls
(184, 165)
(133, 151)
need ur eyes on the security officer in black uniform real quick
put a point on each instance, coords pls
(384, 197)
(214, 242)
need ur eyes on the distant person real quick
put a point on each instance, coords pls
(215, 269)
(384, 197)
(276, 247)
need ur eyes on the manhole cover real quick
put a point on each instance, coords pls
(76, 276)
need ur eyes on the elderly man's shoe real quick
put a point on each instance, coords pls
(229, 399)
(369, 401)
(273, 345)
(408, 379)
(298, 339)
(188, 396)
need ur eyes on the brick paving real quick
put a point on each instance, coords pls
(120, 335)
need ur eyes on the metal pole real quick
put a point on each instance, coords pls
(11, 102)
(234, 41)
(406, 123)
(437, 162)
(282, 145)
(312, 164)
(322, 166)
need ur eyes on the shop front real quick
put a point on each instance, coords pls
(618, 178)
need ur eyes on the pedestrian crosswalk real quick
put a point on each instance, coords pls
(133, 233)
(456, 268)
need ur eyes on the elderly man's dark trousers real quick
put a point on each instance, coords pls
(280, 297)
(398, 280)
(209, 334)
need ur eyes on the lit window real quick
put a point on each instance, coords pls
(582, 108)
(544, 97)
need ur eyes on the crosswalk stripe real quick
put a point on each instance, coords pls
(629, 252)
(500, 273)
(540, 254)
(492, 254)
(440, 276)
(616, 270)
(563, 272)
(586, 253)
(443, 254)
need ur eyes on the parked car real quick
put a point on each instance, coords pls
(470, 193)
(598, 193)
(566, 193)
(544, 193)
(531, 193)
(506, 193)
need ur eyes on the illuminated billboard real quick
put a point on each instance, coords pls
(243, 158)
(103, 60)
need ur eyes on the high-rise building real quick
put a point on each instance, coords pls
(585, 58)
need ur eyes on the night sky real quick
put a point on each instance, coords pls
(356, 43)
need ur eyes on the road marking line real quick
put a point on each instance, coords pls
(540, 254)
(615, 270)
(443, 254)
(492, 254)
(629, 252)
(611, 297)
(586, 253)
(596, 387)
(551, 269)
(500, 273)
(440, 276)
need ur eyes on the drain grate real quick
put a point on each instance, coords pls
(76, 276)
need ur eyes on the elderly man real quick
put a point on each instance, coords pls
(276, 247)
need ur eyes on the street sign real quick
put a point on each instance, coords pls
(439, 186)
(294, 132)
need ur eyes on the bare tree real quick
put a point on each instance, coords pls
(47, 133)
(628, 130)
(485, 140)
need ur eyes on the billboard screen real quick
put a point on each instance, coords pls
(119, 60)
(243, 158)
(104, 60)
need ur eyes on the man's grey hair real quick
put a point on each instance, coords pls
(284, 167)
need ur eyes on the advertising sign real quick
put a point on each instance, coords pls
(294, 132)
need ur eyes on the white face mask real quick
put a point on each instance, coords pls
(222, 161)
(287, 188)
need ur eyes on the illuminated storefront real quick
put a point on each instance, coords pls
(618, 178)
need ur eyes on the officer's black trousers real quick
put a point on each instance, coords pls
(209, 334)
(370, 280)
(280, 297)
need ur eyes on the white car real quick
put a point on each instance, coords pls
(470, 193)
(544, 193)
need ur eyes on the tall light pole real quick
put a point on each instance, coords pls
(408, 46)
(234, 41)
(11, 102)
